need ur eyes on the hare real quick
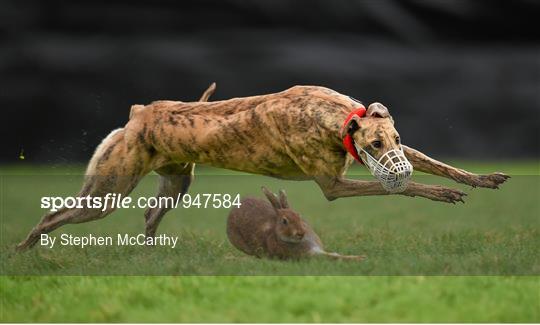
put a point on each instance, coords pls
(274, 230)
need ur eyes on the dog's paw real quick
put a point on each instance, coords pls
(445, 194)
(491, 180)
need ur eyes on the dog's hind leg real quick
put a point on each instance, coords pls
(174, 182)
(116, 167)
(428, 165)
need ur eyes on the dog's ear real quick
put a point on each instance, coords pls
(272, 198)
(377, 110)
(283, 199)
(352, 126)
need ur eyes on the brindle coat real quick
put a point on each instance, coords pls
(294, 134)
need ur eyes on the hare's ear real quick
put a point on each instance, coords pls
(283, 199)
(271, 197)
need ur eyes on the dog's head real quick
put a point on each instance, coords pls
(377, 143)
(375, 132)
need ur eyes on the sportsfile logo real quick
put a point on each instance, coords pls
(119, 201)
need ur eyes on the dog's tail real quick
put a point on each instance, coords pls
(208, 92)
(204, 98)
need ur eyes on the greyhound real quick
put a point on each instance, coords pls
(296, 134)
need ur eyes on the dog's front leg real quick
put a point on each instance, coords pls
(428, 165)
(336, 187)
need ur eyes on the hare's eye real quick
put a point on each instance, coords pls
(284, 221)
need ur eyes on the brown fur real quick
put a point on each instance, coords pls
(293, 134)
(274, 230)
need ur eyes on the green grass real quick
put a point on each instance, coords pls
(495, 233)
(270, 299)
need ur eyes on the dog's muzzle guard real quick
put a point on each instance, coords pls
(393, 169)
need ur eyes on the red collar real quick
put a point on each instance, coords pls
(348, 141)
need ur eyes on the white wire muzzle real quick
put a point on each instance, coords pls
(393, 169)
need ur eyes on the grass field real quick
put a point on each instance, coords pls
(483, 257)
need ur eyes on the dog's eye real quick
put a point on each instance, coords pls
(398, 140)
(284, 221)
(376, 144)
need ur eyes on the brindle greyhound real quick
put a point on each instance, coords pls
(294, 134)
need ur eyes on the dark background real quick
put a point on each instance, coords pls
(461, 78)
